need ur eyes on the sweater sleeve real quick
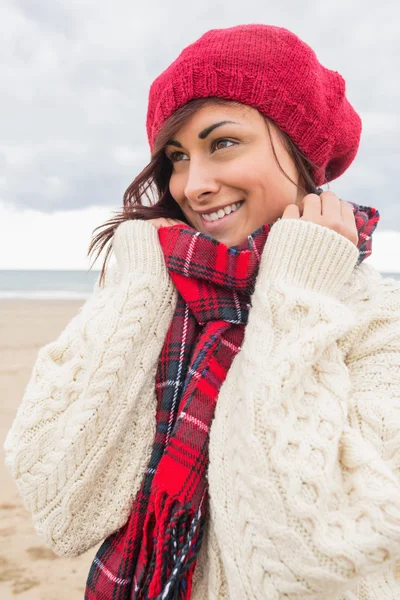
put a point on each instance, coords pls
(83, 434)
(306, 501)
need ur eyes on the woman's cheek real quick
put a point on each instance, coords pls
(174, 189)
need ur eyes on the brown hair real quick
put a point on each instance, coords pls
(154, 179)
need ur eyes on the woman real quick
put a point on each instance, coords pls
(223, 409)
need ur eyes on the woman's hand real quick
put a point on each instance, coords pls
(327, 210)
(165, 222)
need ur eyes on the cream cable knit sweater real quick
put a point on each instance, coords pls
(304, 473)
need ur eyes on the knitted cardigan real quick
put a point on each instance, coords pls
(304, 471)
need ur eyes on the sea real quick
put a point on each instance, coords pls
(58, 285)
(47, 285)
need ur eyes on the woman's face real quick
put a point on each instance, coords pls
(222, 156)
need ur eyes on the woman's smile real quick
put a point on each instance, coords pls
(216, 220)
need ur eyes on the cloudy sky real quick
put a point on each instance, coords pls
(75, 76)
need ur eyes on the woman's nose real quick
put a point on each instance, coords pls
(200, 181)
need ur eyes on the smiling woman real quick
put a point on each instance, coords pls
(267, 153)
(222, 414)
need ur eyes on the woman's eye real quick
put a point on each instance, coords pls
(222, 140)
(174, 156)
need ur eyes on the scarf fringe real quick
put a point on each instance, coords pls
(174, 533)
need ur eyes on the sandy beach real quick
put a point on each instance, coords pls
(29, 570)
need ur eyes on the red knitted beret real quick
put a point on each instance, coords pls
(272, 70)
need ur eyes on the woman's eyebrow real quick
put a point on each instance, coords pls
(204, 133)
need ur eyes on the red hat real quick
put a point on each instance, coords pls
(272, 70)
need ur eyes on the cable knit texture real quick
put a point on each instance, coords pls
(83, 434)
(304, 446)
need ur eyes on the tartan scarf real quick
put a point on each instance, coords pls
(153, 556)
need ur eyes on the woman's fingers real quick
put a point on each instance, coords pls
(291, 212)
(311, 208)
(347, 211)
(327, 210)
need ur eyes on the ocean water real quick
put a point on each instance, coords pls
(58, 285)
(47, 285)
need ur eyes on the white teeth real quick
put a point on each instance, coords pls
(222, 212)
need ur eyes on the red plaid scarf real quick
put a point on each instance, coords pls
(154, 554)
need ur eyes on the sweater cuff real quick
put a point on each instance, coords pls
(308, 255)
(138, 250)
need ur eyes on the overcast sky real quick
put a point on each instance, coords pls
(75, 76)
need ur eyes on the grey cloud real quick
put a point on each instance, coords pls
(53, 15)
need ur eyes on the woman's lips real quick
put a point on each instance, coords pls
(212, 225)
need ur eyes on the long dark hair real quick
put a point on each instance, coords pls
(152, 183)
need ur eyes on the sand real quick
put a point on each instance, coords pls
(29, 570)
